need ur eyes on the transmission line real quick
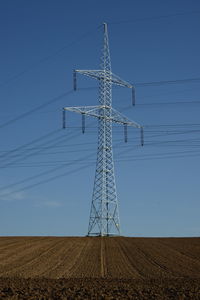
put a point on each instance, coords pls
(58, 140)
(81, 160)
(31, 111)
(7, 153)
(45, 180)
(46, 58)
(154, 18)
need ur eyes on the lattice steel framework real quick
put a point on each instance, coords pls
(104, 214)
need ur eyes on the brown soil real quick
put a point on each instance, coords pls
(99, 268)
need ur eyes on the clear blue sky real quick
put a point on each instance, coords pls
(47, 173)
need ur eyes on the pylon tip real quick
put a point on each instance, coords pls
(105, 25)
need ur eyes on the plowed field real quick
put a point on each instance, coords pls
(99, 268)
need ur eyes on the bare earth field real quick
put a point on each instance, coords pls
(99, 268)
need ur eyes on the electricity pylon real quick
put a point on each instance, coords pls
(104, 214)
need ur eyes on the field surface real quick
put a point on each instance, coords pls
(99, 268)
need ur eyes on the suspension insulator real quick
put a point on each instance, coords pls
(83, 123)
(142, 136)
(64, 118)
(125, 133)
(74, 80)
(133, 96)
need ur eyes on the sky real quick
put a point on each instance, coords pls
(47, 173)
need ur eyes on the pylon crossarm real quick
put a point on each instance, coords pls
(118, 81)
(105, 75)
(82, 109)
(117, 117)
(97, 74)
(92, 111)
(96, 111)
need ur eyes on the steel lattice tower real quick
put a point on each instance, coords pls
(104, 214)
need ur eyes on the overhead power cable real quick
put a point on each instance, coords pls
(82, 159)
(45, 173)
(169, 103)
(10, 152)
(154, 17)
(31, 111)
(55, 142)
(129, 158)
(154, 83)
(190, 155)
(51, 163)
(46, 58)
(150, 132)
(70, 172)
(164, 82)
(172, 125)
(23, 154)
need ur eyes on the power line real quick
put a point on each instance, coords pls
(24, 151)
(31, 111)
(166, 82)
(45, 172)
(179, 154)
(119, 158)
(169, 103)
(61, 96)
(46, 58)
(149, 133)
(197, 154)
(154, 18)
(42, 174)
(172, 125)
(80, 160)
(58, 140)
(155, 83)
(6, 153)
(40, 148)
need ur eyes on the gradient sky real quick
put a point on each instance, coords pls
(47, 173)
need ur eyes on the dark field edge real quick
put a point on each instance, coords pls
(98, 236)
(87, 288)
